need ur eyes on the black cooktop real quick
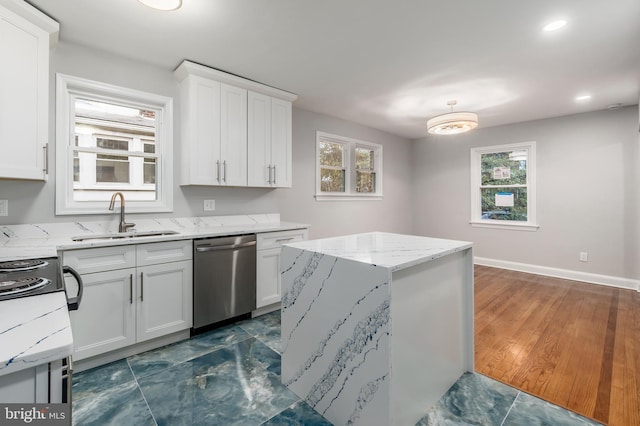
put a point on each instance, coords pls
(29, 277)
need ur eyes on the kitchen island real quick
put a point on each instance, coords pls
(377, 326)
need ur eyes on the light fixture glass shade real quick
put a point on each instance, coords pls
(452, 123)
(162, 4)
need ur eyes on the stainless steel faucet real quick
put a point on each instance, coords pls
(123, 225)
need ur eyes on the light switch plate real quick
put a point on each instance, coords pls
(4, 207)
(584, 256)
(209, 205)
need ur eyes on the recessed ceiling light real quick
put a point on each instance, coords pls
(162, 4)
(555, 25)
(583, 97)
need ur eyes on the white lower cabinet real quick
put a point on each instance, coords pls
(164, 302)
(268, 277)
(126, 303)
(269, 246)
(27, 386)
(105, 320)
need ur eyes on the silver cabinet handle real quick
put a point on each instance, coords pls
(46, 158)
(131, 289)
(142, 286)
(281, 240)
(218, 170)
(269, 167)
(274, 174)
(224, 171)
(67, 375)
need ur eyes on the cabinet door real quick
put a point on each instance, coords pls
(233, 134)
(267, 277)
(281, 140)
(200, 131)
(164, 299)
(27, 386)
(24, 103)
(259, 140)
(105, 319)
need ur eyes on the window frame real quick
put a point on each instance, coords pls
(476, 185)
(350, 171)
(67, 89)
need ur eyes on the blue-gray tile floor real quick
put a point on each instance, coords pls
(231, 376)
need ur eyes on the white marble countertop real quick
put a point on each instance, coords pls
(392, 251)
(45, 239)
(33, 331)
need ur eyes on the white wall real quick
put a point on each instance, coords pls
(588, 189)
(33, 202)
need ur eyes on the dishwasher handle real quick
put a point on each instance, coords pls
(204, 248)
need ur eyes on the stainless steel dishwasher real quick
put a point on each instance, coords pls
(224, 278)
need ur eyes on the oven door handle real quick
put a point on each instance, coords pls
(74, 302)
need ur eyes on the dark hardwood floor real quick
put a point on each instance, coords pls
(574, 344)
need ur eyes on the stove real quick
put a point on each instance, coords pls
(30, 277)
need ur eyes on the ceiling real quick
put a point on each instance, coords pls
(388, 64)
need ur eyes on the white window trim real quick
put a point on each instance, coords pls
(350, 145)
(67, 87)
(476, 208)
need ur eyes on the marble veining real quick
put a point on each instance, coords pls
(358, 345)
(34, 330)
(393, 251)
(24, 241)
(340, 352)
(111, 394)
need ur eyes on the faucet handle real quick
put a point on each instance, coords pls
(127, 226)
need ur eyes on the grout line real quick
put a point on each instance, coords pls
(141, 393)
(510, 408)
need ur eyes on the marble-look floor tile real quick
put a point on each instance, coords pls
(265, 328)
(230, 386)
(298, 414)
(473, 400)
(158, 359)
(89, 382)
(531, 411)
(119, 405)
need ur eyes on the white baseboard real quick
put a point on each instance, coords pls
(567, 274)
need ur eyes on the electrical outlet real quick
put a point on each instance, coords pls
(209, 205)
(584, 256)
(4, 207)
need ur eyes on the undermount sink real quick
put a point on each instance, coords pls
(119, 235)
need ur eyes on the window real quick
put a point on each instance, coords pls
(347, 168)
(112, 139)
(503, 192)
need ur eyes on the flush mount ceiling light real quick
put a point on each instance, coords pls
(162, 4)
(452, 123)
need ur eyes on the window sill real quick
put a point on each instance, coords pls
(496, 224)
(348, 197)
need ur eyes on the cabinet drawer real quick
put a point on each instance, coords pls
(87, 261)
(169, 251)
(269, 240)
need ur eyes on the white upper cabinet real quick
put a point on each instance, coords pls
(269, 141)
(26, 36)
(235, 132)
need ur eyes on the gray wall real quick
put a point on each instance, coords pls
(588, 192)
(588, 180)
(33, 202)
